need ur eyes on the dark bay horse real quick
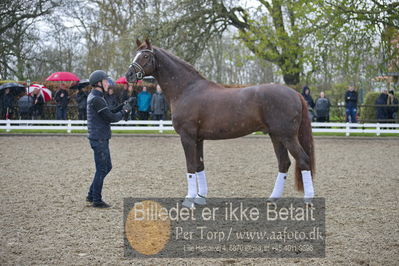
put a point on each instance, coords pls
(203, 110)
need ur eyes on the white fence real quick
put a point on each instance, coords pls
(69, 125)
(349, 128)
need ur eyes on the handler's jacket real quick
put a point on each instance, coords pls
(99, 116)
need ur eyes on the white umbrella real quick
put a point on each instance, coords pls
(46, 93)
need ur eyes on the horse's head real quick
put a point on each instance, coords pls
(143, 63)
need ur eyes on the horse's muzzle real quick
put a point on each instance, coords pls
(131, 76)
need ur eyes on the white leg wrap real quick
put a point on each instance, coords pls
(202, 185)
(279, 186)
(191, 186)
(307, 184)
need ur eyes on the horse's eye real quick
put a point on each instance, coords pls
(146, 56)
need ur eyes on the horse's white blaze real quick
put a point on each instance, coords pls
(137, 56)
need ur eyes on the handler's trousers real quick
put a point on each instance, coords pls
(102, 159)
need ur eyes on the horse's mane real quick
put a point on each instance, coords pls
(181, 61)
(188, 65)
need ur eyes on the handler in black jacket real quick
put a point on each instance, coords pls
(99, 118)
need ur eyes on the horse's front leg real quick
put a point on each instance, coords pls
(200, 172)
(190, 150)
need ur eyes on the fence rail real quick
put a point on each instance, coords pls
(365, 114)
(161, 126)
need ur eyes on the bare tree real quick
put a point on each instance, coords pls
(17, 18)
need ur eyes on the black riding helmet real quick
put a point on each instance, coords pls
(97, 76)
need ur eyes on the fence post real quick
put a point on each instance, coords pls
(8, 125)
(378, 129)
(69, 127)
(160, 126)
(347, 129)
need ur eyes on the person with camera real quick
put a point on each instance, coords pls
(99, 118)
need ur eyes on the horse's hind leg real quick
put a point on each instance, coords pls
(200, 172)
(283, 166)
(303, 163)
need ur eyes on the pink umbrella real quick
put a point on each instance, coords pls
(63, 76)
(46, 93)
(121, 80)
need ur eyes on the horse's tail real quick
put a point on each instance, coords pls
(306, 140)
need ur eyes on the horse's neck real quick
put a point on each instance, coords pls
(174, 76)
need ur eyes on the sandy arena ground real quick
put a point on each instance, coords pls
(43, 183)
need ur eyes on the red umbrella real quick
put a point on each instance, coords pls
(63, 76)
(121, 80)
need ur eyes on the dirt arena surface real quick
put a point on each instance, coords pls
(43, 182)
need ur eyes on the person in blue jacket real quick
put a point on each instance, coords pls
(144, 104)
(99, 118)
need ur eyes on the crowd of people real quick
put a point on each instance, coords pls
(30, 107)
(386, 106)
(320, 110)
(145, 105)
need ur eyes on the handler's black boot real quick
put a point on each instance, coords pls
(89, 199)
(101, 205)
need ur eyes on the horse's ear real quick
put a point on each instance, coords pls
(138, 42)
(148, 43)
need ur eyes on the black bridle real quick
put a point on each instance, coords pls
(139, 70)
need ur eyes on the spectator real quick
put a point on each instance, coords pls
(38, 103)
(125, 93)
(133, 94)
(392, 106)
(25, 106)
(7, 105)
(128, 91)
(158, 105)
(351, 104)
(322, 108)
(309, 101)
(381, 107)
(61, 99)
(111, 98)
(81, 100)
(144, 104)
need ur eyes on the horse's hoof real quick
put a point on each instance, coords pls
(308, 201)
(188, 203)
(200, 200)
(272, 200)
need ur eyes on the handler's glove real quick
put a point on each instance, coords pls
(126, 109)
(131, 100)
